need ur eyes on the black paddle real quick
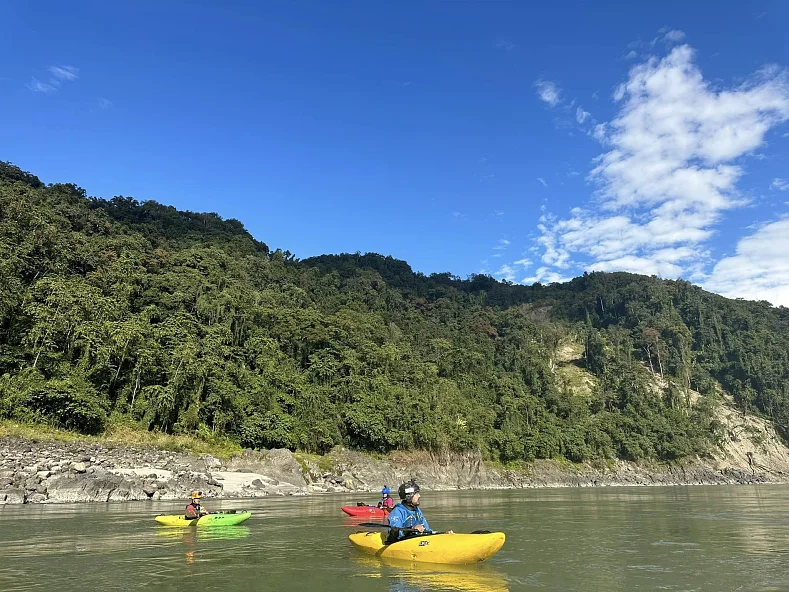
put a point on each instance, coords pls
(381, 525)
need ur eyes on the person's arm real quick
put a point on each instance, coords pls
(423, 522)
(394, 519)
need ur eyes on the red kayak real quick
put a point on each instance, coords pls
(365, 511)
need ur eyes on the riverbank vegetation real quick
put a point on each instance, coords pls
(114, 311)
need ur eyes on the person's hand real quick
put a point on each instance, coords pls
(419, 528)
(450, 532)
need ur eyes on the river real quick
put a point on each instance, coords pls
(651, 538)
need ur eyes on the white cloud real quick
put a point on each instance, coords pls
(541, 180)
(506, 272)
(670, 171)
(67, 73)
(504, 44)
(780, 184)
(545, 276)
(581, 115)
(674, 36)
(498, 212)
(37, 86)
(523, 262)
(598, 132)
(759, 270)
(631, 55)
(502, 244)
(548, 92)
(104, 103)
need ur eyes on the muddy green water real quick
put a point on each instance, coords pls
(681, 538)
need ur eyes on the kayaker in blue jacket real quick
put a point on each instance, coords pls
(406, 516)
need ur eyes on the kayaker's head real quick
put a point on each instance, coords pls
(196, 495)
(409, 493)
(385, 491)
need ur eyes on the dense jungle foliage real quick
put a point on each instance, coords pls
(125, 311)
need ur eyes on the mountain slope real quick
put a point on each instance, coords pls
(122, 311)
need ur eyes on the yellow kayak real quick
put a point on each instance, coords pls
(435, 548)
(218, 519)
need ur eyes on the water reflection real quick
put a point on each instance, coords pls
(191, 537)
(405, 576)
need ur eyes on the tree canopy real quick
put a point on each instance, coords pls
(120, 310)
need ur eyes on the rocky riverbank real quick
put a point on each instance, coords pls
(61, 472)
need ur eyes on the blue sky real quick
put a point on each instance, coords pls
(529, 143)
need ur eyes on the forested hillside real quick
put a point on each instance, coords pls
(119, 311)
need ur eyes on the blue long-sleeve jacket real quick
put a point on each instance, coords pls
(403, 517)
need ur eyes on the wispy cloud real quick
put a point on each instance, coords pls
(66, 73)
(670, 171)
(581, 115)
(631, 55)
(58, 75)
(668, 37)
(43, 87)
(502, 244)
(504, 44)
(674, 36)
(780, 184)
(541, 180)
(548, 92)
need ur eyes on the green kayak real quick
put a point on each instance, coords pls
(218, 519)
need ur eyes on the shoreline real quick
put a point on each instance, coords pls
(52, 471)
